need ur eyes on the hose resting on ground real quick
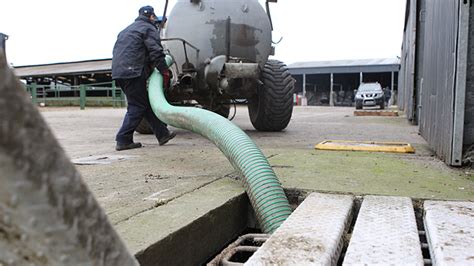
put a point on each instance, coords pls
(262, 185)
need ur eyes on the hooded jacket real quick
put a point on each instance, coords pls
(137, 49)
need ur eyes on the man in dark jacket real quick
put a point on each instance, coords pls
(137, 51)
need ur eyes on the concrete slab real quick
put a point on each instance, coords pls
(362, 173)
(159, 176)
(312, 235)
(163, 235)
(290, 152)
(385, 233)
(449, 230)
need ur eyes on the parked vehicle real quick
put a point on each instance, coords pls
(370, 94)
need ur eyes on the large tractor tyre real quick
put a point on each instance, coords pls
(144, 127)
(271, 109)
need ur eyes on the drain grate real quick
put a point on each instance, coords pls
(383, 230)
(425, 249)
(238, 252)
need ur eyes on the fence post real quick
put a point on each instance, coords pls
(123, 101)
(114, 94)
(56, 90)
(82, 96)
(34, 93)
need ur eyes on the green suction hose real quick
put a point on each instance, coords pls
(263, 187)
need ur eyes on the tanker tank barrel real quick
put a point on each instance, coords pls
(230, 44)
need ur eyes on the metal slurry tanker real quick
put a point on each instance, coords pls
(221, 49)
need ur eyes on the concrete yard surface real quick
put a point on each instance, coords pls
(152, 192)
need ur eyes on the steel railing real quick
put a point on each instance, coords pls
(95, 94)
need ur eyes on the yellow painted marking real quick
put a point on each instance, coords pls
(375, 113)
(371, 146)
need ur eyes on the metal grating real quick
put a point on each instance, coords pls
(240, 250)
(384, 231)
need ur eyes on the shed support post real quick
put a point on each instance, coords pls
(304, 85)
(34, 93)
(391, 102)
(331, 97)
(82, 96)
(392, 82)
(114, 94)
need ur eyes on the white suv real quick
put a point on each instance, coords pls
(370, 94)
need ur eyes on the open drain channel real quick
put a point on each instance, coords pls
(238, 252)
(331, 229)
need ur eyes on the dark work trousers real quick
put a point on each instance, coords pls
(138, 108)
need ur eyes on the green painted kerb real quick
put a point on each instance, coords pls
(262, 185)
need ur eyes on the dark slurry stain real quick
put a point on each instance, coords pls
(243, 38)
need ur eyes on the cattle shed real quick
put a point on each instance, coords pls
(436, 83)
(67, 73)
(335, 82)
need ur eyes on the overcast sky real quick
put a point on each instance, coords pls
(49, 31)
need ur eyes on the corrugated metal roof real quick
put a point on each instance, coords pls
(346, 63)
(105, 65)
(91, 66)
